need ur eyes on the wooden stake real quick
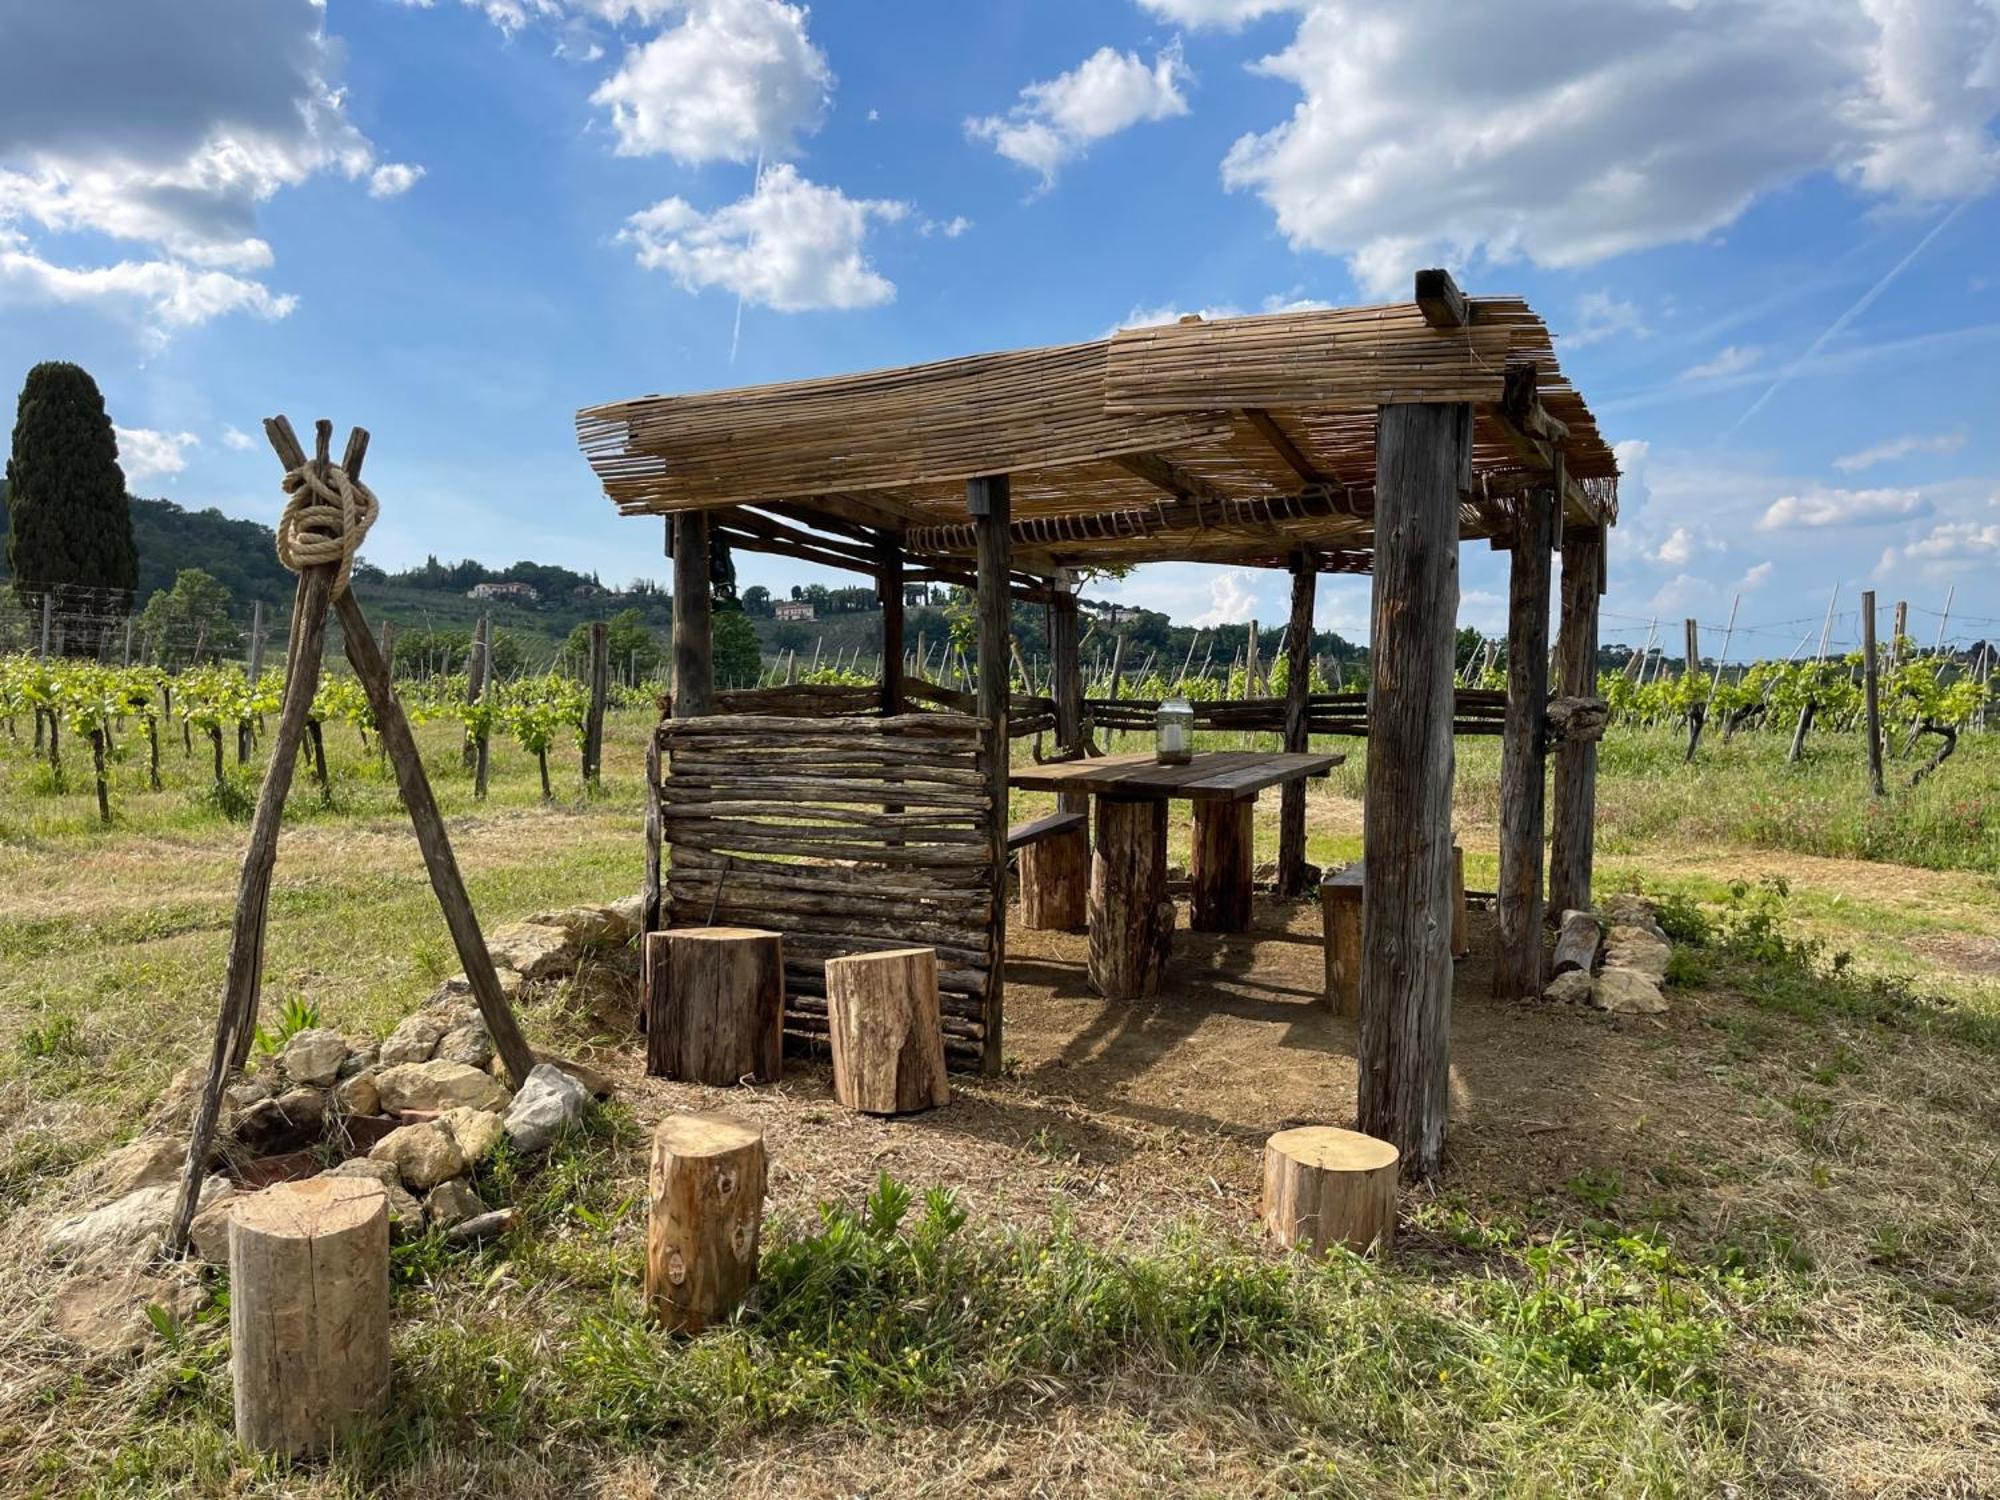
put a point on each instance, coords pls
(1871, 690)
(707, 1190)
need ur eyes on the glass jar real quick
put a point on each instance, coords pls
(1174, 732)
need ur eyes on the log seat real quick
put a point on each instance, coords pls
(1020, 835)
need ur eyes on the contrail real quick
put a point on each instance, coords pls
(736, 334)
(1840, 323)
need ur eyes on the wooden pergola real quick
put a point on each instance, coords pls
(1355, 440)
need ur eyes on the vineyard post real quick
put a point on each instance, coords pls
(1721, 666)
(1901, 629)
(600, 682)
(1811, 705)
(1690, 671)
(1871, 688)
(48, 618)
(475, 683)
(128, 641)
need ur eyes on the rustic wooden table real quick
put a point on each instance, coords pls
(1131, 915)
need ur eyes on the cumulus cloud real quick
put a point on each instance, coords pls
(1822, 508)
(1109, 91)
(792, 245)
(1677, 549)
(1899, 447)
(1755, 576)
(1230, 13)
(1568, 131)
(1231, 598)
(735, 80)
(146, 454)
(1949, 547)
(233, 437)
(173, 145)
(1732, 360)
(393, 179)
(1159, 316)
(1599, 315)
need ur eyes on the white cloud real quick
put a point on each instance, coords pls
(950, 228)
(735, 80)
(1599, 315)
(1821, 508)
(1231, 598)
(1732, 360)
(392, 179)
(1568, 131)
(1158, 317)
(1901, 447)
(1230, 13)
(1949, 547)
(792, 245)
(1109, 91)
(233, 437)
(1677, 549)
(145, 454)
(1755, 576)
(152, 130)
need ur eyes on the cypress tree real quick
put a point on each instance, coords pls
(71, 519)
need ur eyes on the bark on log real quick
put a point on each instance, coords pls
(1131, 916)
(1055, 882)
(1324, 1187)
(1423, 459)
(888, 1046)
(1461, 926)
(694, 644)
(989, 500)
(1223, 866)
(1340, 924)
(1517, 946)
(715, 1005)
(1298, 692)
(308, 1312)
(1573, 829)
(707, 1208)
(1576, 944)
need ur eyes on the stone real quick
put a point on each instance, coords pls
(209, 1230)
(106, 1315)
(547, 1102)
(146, 1162)
(458, 987)
(596, 1083)
(406, 1215)
(1625, 909)
(413, 1041)
(437, 1085)
(477, 1132)
(358, 1095)
(241, 1096)
(1574, 988)
(452, 1202)
(1627, 947)
(304, 1109)
(470, 1044)
(1627, 992)
(630, 912)
(588, 927)
(362, 1054)
(482, 1227)
(314, 1056)
(135, 1224)
(423, 1155)
(532, 950)
(284, 1123)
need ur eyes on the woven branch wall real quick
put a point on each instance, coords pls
(1474, 711)
(846, 835)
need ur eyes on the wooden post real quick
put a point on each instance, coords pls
(694, 642)
(308, 1312)
(1325, 1186)
(889, 587)
(1131, 916)
(1697, 712)
(715, 1005)
(1871, 691)
(252, 670)
(989, 500)
(1517, 957)
(1422, 466)
(1055, 872)
(707, 1208)
(1340, 930)
(884, 1028)
(600, 689)
(1573, 833)
(1298, 690)
(1223, 866)
(475, 681)
(649, 907)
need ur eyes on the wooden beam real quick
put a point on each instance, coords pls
(889, 588)
(1574, 826)
(1517, 957)
(1298, 690)
(990, 501)
(1282, 444)
(1442, 303)
(1421, 458)
(1163, 474)
(694, 642)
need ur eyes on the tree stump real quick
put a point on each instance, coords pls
(1461, 926)
(707, 1188)
(1340, 923)
(1324, 1186)
(1055, 882)
(1223, 866)
(715, 1005)
(1131, 915)
(888, 1042)
(1576, 944)
(308, 1311)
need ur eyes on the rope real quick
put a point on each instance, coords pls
(325, 521)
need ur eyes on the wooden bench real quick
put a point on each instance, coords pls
(1055, 870)
(1340, 919)
(1021, 835)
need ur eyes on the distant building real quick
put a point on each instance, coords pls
(525, 592)
(793, 609)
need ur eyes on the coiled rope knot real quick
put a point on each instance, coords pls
(325, 520)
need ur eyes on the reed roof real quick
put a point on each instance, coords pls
(1231, 440)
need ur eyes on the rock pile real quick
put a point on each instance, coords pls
(1636, 951)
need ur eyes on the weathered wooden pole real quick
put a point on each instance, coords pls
(1573, 831)
(694, 642)
(1690, 671)
(889, 588)
(475, 681)
(1423, 458)
(1298, 691)
(1517, 954)
(1055, 872)
(989, 501)
(1871, 691)
(600, 690)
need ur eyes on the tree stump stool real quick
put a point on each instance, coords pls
(707, 1206)
(1223, 868)
(308, 1312)
(887, 1038)
(1055, 882)
(1131, 915)
(1324, 1186)
(715, 1005)
(1340, 923)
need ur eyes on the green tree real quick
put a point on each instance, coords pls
(737, 659)
(71, 520)
(188, 622)
(627, 640)
(757, 600)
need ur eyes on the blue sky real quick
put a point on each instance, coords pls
(1762, 230)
